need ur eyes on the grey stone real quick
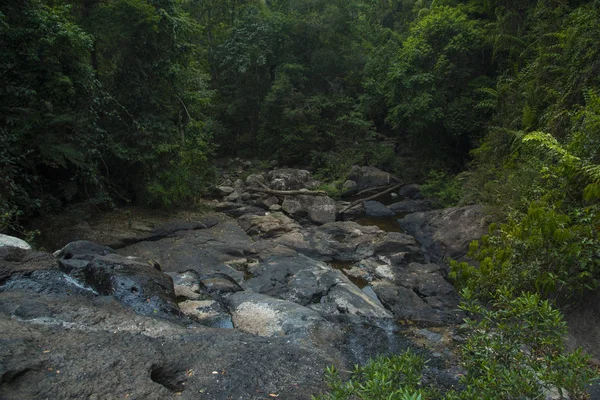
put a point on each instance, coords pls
(187, 285)
(377, 209)
(269, 201)
(219, 283)
(405, 304)
(411, 191)
(370, 177)
(272, 225)
(11, 241)
(266, 316)
(225, 190)
(318, 209)
(255, 180)
(246, 196)
(82, 248)
(233, 197)
(447, 232)
(410, 206)
(429, 335)
(289, 179)
(349, 187)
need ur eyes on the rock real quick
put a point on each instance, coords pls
(78, 346)
(247, 164)
(246, 196)
(304, 281)
(255, 180)
(431, 336)
(205, 251)
(225, 206)
(219, 283)
(269, 201)
(266, 316)
(347, 298)
(290, 179)
(16, 262)
(407, 305)
(394, 195)
(447, 232)
(239, 185)
(411, 191)
(272, 225)
(318, 209)
(275, 208)
(186, 285)
(410, 206)
(370, 177)
(207, 312)
(244, 210)
(394, 242)
(341, 240)
(343, 213)
(11, 241)
(233, 197)
(349, 187)
(377, 209)
(278, 184)
(224, 190)
(133, 283)
(82, 248)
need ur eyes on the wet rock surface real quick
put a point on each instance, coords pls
(251, 305)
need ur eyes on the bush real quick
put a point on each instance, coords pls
(545, 251)
(384, 378)
(514, 350)
(447, 190)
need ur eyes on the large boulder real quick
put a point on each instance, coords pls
(266, 316)
(132, 282)
(290, 179)
(370, 177)
(205, 251)
(405, 304)
(347, 241)
(83, 249)
(255, 180)
(410, 206)
(313, 284)
(11, 241)
(377, 209)
(267, 226)
(318, 209)
(410, 191)
(446, 233)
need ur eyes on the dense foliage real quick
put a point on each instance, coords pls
(514, 350)
(94, 88)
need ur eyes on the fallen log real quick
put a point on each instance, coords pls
(288, 192)
(376, 195)
(370, 190)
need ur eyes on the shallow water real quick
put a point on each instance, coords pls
(388, 224)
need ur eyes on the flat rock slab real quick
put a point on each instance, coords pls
(100, 350)
(205, 251)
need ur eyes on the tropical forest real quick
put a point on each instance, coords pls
(300, 199)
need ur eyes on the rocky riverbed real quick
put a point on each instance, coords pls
(251, 302)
